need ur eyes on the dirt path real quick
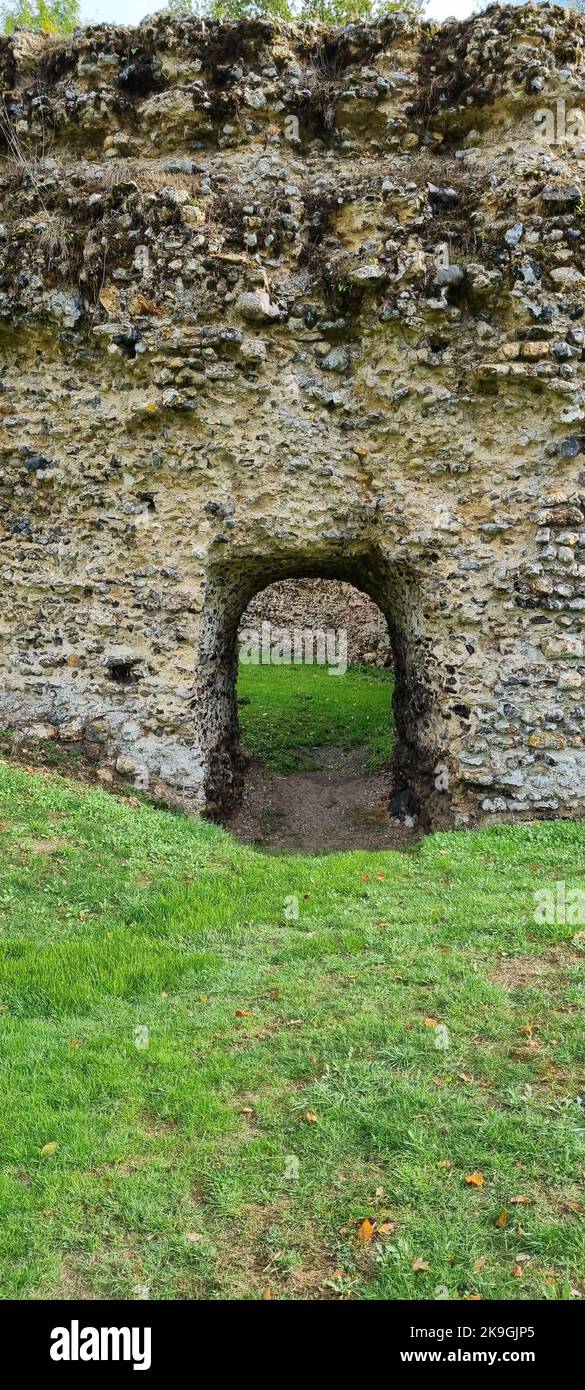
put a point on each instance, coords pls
(341, 806)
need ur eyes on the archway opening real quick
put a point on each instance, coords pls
(415, 793)
(314, 695)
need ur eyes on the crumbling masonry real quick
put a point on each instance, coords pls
(282, 302)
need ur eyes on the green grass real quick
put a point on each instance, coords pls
(289, 711)
(171, 1159)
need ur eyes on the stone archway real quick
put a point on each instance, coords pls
(421, 757)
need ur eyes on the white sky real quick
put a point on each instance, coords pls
(132, 11)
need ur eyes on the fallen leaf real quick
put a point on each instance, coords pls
(193, 1237)
(365, 1229)
(311, 1117)
(518, 1271)
(430, 1022)
(475, 1179)
(419, 1264)
(479, 1264)
(203, 998)
(266, 1295)
(386, 1228)
(472, 1298)
(464, 1076)
(503, 1219)
(445, 1163)
(380, 876)
(50, 1148)
(519, 1201)
(243, 1013)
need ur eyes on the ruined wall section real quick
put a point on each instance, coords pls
(283, 301)
(321, 604)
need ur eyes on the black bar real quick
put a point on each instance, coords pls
(155, 1338)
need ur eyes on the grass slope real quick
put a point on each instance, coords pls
(275, 1040)
(289, 711)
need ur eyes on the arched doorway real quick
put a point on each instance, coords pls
(418, 781)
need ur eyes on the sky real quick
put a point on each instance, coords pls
(132, 11)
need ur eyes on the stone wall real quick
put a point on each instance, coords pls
(283, 302)
(324, 604)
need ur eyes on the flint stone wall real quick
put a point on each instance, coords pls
(323, 604)
(280, 302)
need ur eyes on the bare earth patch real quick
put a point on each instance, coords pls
(520, 972)
(73, 1284)
(340, 807)
(46, 846)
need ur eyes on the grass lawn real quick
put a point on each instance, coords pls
(206, 1096)
(288, 711)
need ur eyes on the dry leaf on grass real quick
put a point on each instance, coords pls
(502, 1220)
(372, 1230)
(311, 1118)
(475, 1179)
(419, 1264)
(365, 1229)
